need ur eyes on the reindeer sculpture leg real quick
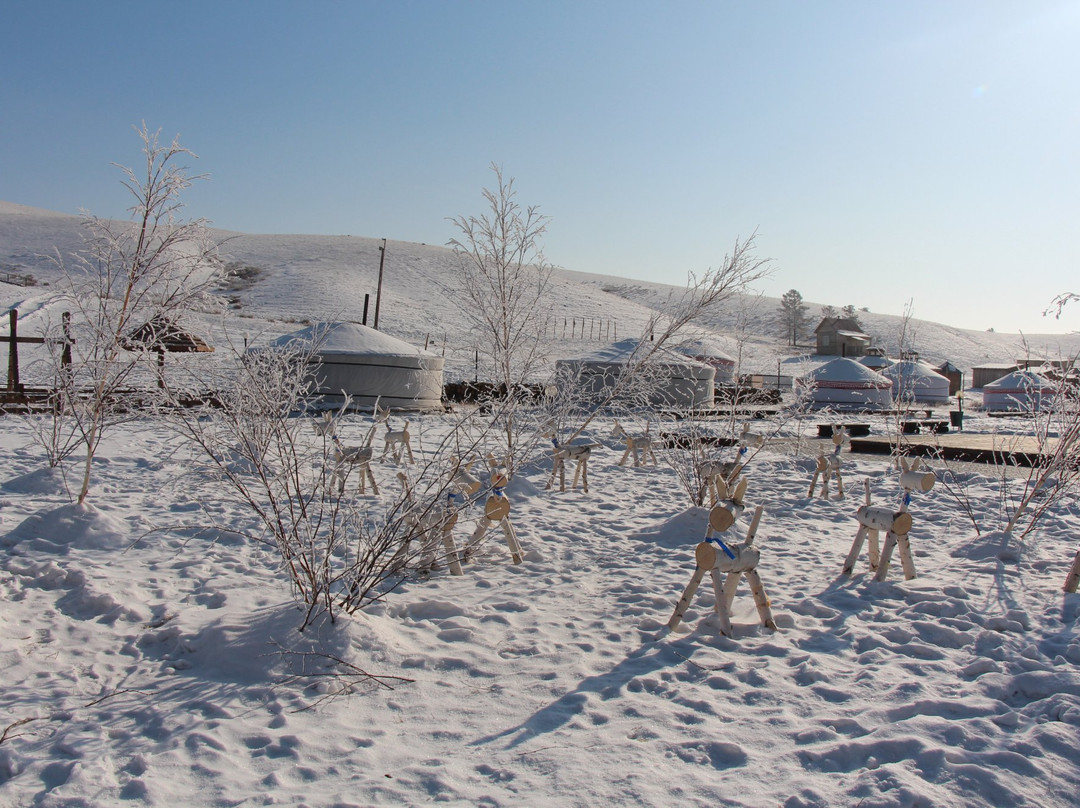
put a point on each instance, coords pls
(582, 471)
(822, 469)
(1073, 578)
(558, 468)
(446, 529)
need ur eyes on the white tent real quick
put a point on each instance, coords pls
(672, 380)
(1019, 391)
(915, 381)
(366, 365)
(708, 351)
(846, 384)
(875, 361)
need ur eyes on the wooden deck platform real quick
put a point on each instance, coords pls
(1020, 450)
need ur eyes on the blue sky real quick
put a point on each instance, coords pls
(883, 151)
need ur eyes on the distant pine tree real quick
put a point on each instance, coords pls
(793, 317)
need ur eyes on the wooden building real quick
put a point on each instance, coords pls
(841, 336)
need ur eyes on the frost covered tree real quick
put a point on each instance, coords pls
(793, 317)
(638, 378)
(850, 313)
(504, 281)
(140, 275)
(339, 552)
(1058, 304)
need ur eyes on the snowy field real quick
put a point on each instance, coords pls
(149, 650)
(146, 662)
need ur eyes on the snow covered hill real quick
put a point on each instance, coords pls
(299, 278)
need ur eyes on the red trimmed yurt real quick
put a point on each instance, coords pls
(915, 381)
(846, 384)
(1019, 391)
(708, 351)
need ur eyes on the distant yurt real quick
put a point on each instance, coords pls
(368, 365)
(875, 359)
(673, 380)
(1020, 391)
(709, 352)
(915, 381)
(846, 384)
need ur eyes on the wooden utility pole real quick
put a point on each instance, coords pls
(378, 290)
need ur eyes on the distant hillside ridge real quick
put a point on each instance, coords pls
(290, 280)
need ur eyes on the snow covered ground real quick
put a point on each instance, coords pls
(147, 660)
(150, 660)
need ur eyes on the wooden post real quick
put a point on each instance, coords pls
(13, 351)
(378, 289)
(65, 357)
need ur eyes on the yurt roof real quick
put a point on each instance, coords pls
(874, 361)
(846, 373)
(351, 339)
(707, 347)
(913, 372)
(619, 353)
(163, 334)
(1019, 381)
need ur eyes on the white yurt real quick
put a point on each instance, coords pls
(1019, 391)
(708, 351)
(875, 359)
(368, 365)
(916, 381)
(673, 380)
(846, 384)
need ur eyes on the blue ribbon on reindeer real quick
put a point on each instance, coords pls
(724, 547)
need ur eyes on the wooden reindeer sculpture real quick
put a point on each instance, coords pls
(432, 525)
(829, 466)
(638, 445)
(324, 426)
(749, 439)
(896, 524)
(718, 475)
(715, 556)
(354, 457)
(560, 453)
(347, 458)
(496, 512)
(398, 443)
(462, 484)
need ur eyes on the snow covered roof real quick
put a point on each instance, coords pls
(844, 373)
(705, 349)
(875, 361)
(1021, 382)
(351, 339)
(914, 373)
(621, 352)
